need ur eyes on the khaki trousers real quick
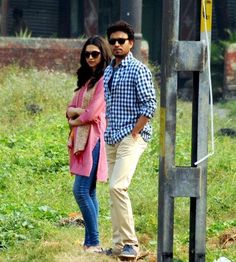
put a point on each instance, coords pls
(122, 161)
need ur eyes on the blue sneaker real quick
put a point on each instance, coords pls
(128, 251)
(112, 252)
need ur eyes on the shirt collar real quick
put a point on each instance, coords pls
(124, 61)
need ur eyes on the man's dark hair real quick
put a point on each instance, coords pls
(122, 26)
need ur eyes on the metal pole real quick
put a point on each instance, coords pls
(91, 8)
(170, 31)
(199, 141)
(74, 19)
(4, 10)
(131, 11)
(174, 181)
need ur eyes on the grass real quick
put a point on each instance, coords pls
(35, 185)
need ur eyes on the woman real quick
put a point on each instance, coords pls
(86, 116)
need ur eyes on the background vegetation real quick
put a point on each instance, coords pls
(218, 49)
(35, 185)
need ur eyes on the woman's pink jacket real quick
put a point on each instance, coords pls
(95, 115)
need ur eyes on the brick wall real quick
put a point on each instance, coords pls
(46, 53)
(56, 54)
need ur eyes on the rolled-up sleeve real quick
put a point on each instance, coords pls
(146, 92)
(107, 94)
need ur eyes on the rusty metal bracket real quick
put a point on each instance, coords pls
(190, 55)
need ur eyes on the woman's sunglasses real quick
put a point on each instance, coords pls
(94, 54)
(120, 41)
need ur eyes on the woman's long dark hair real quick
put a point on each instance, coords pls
(84, 73)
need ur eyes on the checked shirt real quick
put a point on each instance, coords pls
(129, 93)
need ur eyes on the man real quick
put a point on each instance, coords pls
(130, 101)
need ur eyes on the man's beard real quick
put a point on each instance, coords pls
(120, 56)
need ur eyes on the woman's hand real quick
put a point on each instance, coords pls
(74, 111)
(75, 122)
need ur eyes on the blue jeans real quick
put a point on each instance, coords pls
(84, 191)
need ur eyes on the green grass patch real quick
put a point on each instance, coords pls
(36, 187)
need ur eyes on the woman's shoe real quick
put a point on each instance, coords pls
(93, 249)
(85, 247)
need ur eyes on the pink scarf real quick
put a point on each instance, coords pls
(79, 135)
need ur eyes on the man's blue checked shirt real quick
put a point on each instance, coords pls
(129, 93)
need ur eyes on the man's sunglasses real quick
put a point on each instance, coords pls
(94, 54)
(120, 41)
